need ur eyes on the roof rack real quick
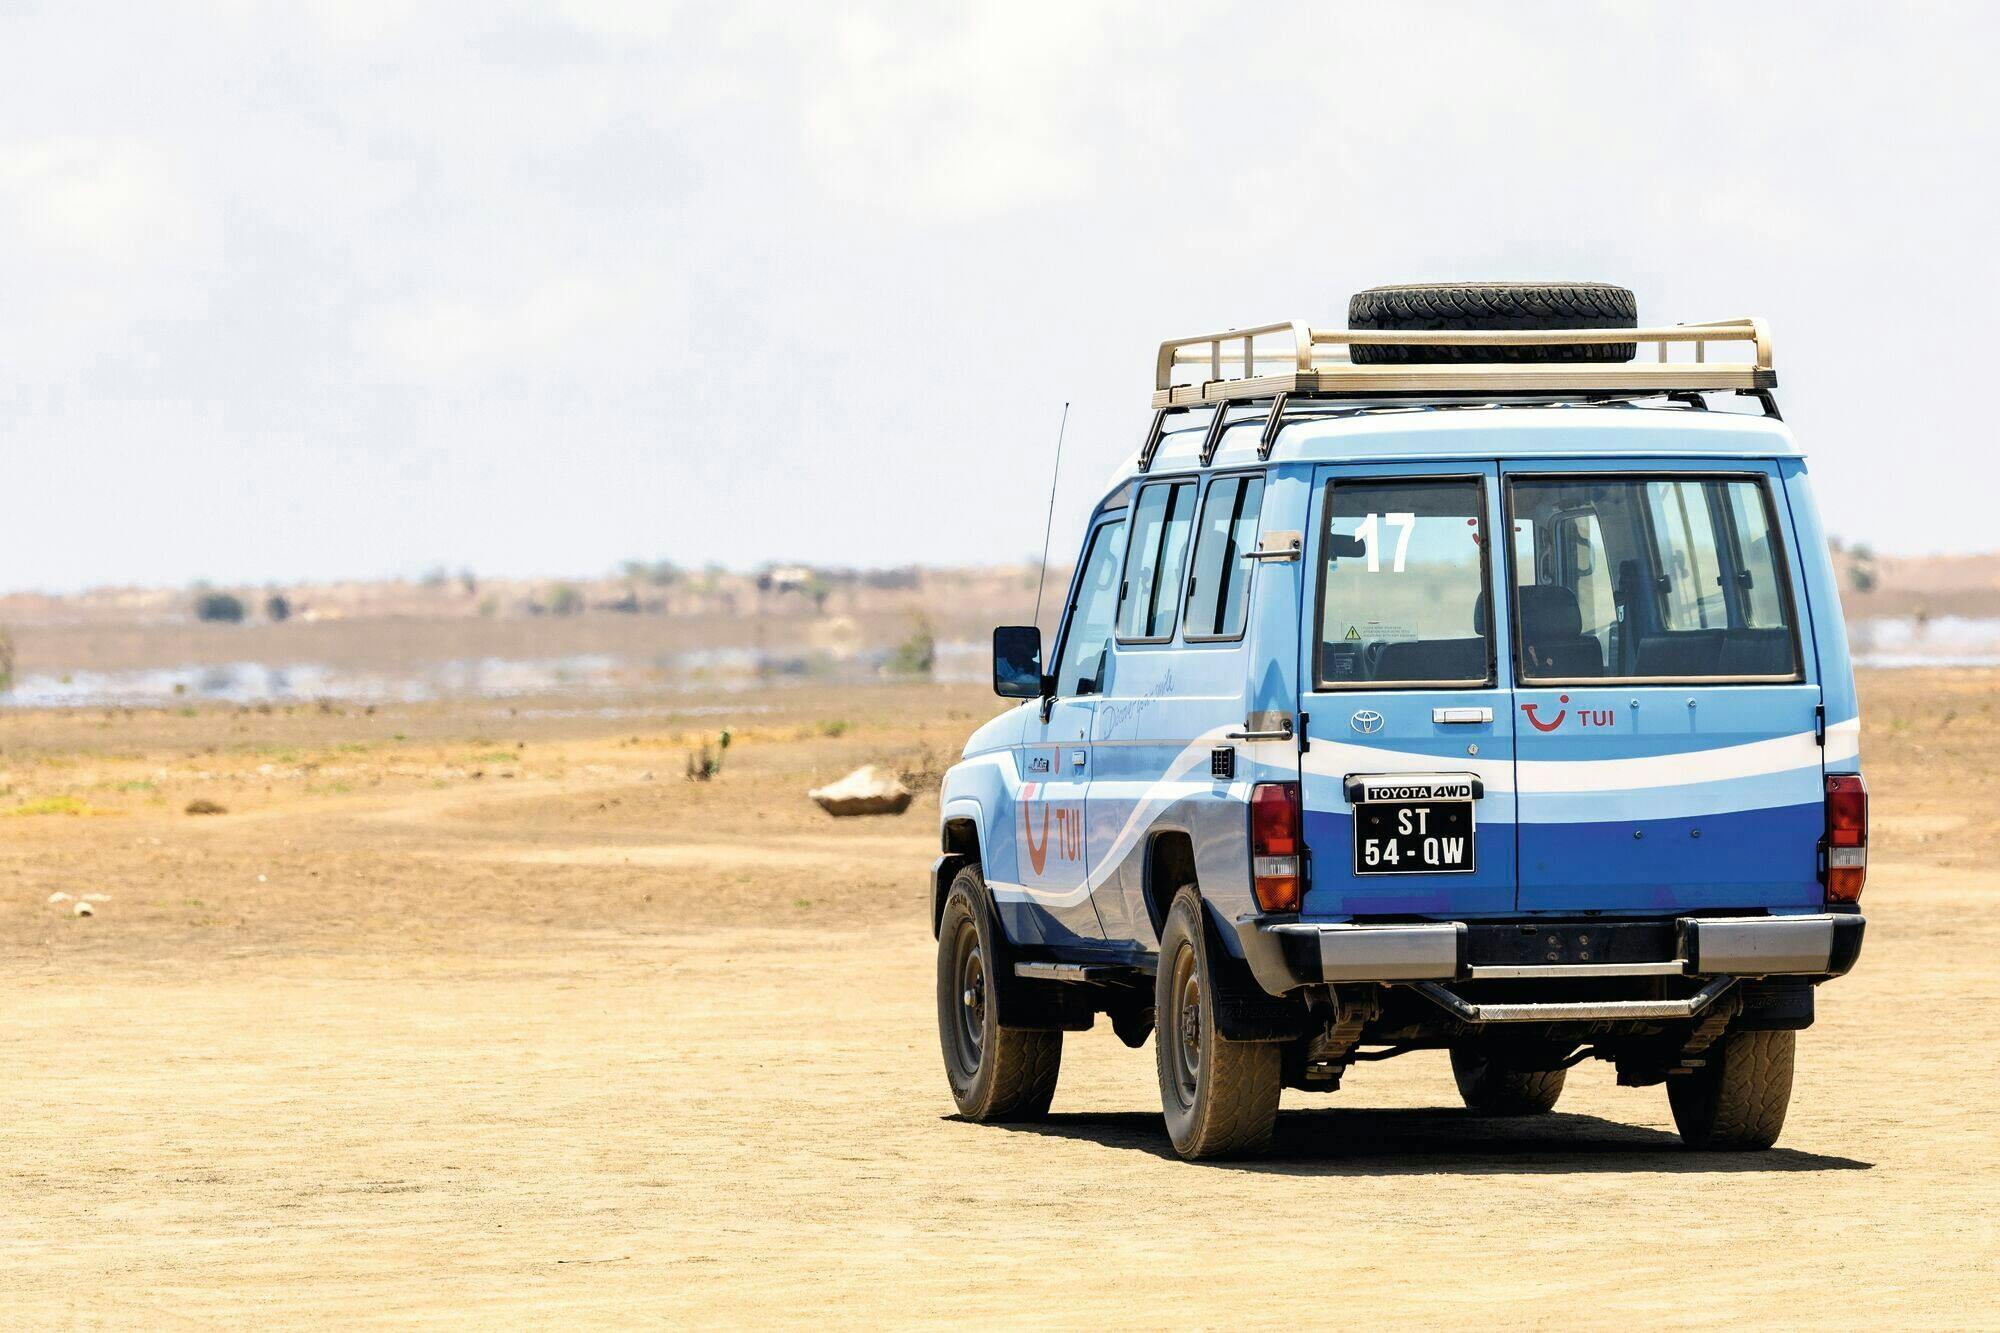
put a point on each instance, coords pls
(1303, 362)
(1316, 361)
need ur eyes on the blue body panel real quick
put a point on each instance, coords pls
(1669, 797)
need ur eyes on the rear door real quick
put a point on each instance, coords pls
(1408, 778)
(1667, 756)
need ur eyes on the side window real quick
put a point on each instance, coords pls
(1081, 669)
(1155, 562)
(1403, 579)
(1649, 578)
(1219, 589)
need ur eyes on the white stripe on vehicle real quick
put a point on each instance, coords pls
(1336, 759)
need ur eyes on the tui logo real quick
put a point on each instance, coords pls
(1537, 722)
(1038, 852)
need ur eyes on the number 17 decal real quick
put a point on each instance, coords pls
(1371, 528)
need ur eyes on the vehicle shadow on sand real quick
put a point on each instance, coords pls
(1442, 1141)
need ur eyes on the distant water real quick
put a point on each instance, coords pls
(1888, 642)
(1910, 641)
(472, 678)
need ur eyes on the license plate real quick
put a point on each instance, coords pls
(1413, 838)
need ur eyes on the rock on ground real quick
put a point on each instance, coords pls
(866, 791)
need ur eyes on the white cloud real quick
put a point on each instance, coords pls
(560, 325)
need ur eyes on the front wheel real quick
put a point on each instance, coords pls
(996, 1073)
(1220, 1096)
(1736, 1100)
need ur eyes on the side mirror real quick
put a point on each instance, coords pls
(1017, 663)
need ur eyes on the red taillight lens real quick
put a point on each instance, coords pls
(1846, 837)
(1275, 845)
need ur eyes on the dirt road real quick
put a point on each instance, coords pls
(576, 1039)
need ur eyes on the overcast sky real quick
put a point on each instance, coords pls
(310, 290)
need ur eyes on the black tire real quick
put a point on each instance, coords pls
(996, 1073)
(1736, 1101)
(1493, 305)
(1220, 1096)
(1492, 1087)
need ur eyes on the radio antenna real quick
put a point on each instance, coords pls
(1048, 528)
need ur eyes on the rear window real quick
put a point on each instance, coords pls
(1402, 584)
(1649, 578)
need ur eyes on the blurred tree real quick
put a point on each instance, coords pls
(219, 607)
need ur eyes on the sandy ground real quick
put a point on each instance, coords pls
(484, 1013)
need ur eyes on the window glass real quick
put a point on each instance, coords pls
(1156, 561)
(1403, 579)
(1691, 576)
(1649, 579)
(1757, 572)
(1560, 560)
(1081, 670)
(1219, 589)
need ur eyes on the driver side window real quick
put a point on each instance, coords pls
(1081, 668)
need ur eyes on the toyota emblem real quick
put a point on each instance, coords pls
(1367, 722)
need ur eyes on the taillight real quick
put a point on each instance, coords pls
(1275, 845)
(1846, 837)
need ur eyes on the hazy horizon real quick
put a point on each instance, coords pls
(349, 290)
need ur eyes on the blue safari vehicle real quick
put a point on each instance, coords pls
(1458, 681)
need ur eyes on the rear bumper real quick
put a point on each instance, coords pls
(1286, 955)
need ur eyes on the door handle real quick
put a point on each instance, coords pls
(1445, 717)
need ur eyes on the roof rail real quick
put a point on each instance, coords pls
(1302, 361)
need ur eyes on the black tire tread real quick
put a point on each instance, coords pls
(1737, 1101)
(1024, 1082)
(1236, 1109)
(1493, 305)
(1019, 1067)
(1491, 1087)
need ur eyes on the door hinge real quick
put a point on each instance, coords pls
(1305, 742)
(1819, 724)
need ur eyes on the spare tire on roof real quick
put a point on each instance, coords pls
(1493, 305)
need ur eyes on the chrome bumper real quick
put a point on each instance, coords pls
(1286, 955)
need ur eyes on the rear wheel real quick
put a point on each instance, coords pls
(1736, 1100)
(1491, 1086)
(996, 1073)
(1220, 1096)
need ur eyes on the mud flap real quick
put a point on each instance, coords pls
(1775, 1006)
(1244, 1010)
(1027, 1003)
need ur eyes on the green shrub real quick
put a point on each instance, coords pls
(706, 764)
(916, 655)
